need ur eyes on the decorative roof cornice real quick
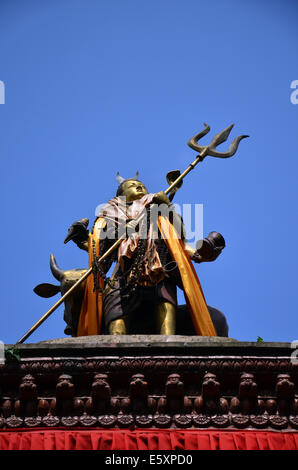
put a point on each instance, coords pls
(152, 381)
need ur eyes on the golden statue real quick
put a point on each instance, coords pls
(152, 257)
(148, 268)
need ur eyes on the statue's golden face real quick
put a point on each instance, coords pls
(133, 190)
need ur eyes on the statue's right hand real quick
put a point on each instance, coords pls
(78, 232)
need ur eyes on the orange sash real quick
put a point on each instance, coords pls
(91, 310)
(193, 293)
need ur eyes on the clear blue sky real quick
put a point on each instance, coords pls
(99, 86)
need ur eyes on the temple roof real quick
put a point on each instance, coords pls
(138, 381)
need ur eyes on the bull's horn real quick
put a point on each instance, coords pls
(56, 271)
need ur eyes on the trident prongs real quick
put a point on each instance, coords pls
(193, 142)
(219, 138)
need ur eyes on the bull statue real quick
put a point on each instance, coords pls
(143, 320)
(73, 303)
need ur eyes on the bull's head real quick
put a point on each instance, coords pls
(67, 279)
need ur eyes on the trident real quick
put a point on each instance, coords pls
(203, 150)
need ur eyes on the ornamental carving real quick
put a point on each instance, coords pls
(157, 391)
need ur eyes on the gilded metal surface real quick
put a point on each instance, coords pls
(119, 326)
(166, 318)
(133, 190)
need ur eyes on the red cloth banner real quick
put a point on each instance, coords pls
(147, 439)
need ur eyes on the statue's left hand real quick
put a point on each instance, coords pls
(161, 198)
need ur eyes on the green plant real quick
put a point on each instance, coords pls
(12, 354)
(260, 340)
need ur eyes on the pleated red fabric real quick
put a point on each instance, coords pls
(147, 439)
